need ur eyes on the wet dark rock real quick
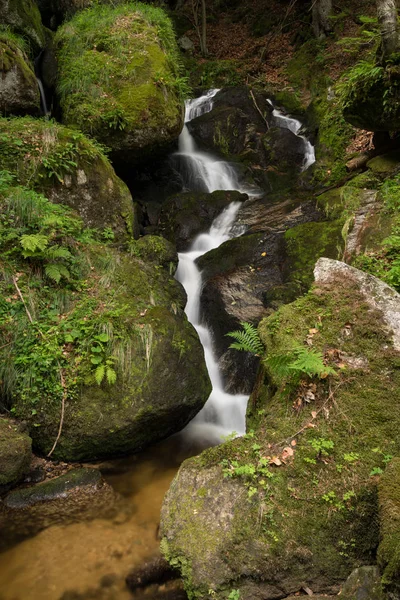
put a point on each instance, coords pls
(35, 476)
(156, 570)
(185, 215)
(15, 452)
(241, 127)
(80, 494)
(19, 91)
(363, 584)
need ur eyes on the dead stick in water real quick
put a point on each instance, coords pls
(258, 109)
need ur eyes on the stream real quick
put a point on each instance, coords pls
(91, 559)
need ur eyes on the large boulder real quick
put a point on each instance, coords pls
(119, 79)
(162, 380)
(70, 169)
(370, 97)
(294, 504)
(19, 91)
(23, 17)
(15, 452)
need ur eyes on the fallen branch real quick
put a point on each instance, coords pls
(64, 397)
(258, 109)
(22, 299)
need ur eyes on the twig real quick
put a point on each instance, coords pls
(258, 108)
(22, 299)
(64, 395)
(331, 395)
(64, 387)
(5, 345)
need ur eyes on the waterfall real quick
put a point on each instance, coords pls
(223, 413)
(295, 126)
(38, 68)
(201, 171)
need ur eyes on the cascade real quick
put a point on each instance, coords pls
(223, 413)
(43, 102)
(295, 126)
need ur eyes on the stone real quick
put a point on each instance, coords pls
(23, 18)
(15, 452)
(137, 110)
(377, 294)
(19, 91)
(185, 44)
(364, 583)
(80, 494)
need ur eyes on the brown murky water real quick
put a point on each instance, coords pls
(91, 559)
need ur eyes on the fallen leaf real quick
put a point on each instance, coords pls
(313, 331)
(313, 414)
(293, 443)
(263, 254)
(276, 461)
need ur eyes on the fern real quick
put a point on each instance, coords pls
(33, 243)
(310, 362)
(300, 361)
(111, 375)
(99, 374)
(247, 339)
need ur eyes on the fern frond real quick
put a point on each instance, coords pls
(280, 364)
(55, 252)
(310, 362)
(247, 339)
(53, 272)
(99, 374)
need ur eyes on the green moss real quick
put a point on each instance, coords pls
(389, 549)
(386, 164)
(23, 17)
(15, 452)
(308, 242)
(119, 75)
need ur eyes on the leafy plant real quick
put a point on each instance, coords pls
(247, 339)
(301, 360)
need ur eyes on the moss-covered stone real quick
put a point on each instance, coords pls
(385, 164)
(363, 584)
(15, 452)
(119, 80)
(23, 17)
(70, 169)
(156, 249)
(162, 380)
(298, 502)
(19, 92)
(389, 548)
(79, 495)
(308, 242)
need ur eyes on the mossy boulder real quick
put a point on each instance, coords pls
(389, 548)
(370, 100)
(19, 91)
(296, 499)
(161, 378)
(185, 215)
(15, 452)
(81, 494)
(119, 79)
(23, 17)
(363, 584)
(70, 169)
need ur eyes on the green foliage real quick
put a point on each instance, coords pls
(234, 595)
(358, 82)
(12, 39)
(301, 361)
(118, 64)
(247, 339)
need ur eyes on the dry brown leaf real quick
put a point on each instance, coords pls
(276, 461)
(313, 414)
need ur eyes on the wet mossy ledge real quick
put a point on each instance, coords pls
(97, 330)
(295, 500)
(119, 78)
(69, 168)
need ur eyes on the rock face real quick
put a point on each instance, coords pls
(15, 452)
(162, 379)
(19, 92)
(70, 169)
(363, 584)
(23, 17)
(80, 494)
(185, 215)
(295, 501)
(378, 295)
(127, 59)
(388, 552)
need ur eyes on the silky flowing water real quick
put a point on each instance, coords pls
(91, 559)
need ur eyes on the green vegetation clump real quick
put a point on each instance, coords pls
(120, 75)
